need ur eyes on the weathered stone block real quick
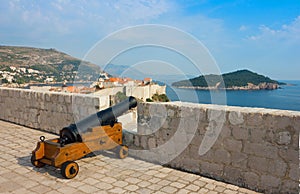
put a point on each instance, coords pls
(240, 133)
(234, 175)
(283, 138)
(152, 143)
(68, 99)
(225, 132)
(239, 159)
(78, 100)
(170, 113)
(252, 180)
(254, 119)
(258, 164)
(191, 165)
(156, 110)
(270, 136)
(188, 125)
(289, 155)
(294, 172)
(187, 111)
(174, 123)
(236, 118)
(208, 156)
(257, 135)
(16, 94)
(277, 168)
(233, 145)
(47, 97)
(269, 182)
(54, 98)
(61, 99)
(144, 142)
(211, 169)
(202, 128)
(288, 186)
(295, 140)
(137, 140)
(5, 92)
(282, 122)
(261, 150)
(216, 115)
(128, 138)
(222, 156)
(156, 123)
(165, 134)
(166, 124)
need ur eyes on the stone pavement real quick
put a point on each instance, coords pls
(98, 174)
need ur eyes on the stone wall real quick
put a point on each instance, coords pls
(48, 111)
(250, 147)
(141, 92)
(144, 92)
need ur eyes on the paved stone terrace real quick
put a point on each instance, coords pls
(98, 174)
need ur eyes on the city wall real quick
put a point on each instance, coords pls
(141, 92)
(250, 147)
(49, 111)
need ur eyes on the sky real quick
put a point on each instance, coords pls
(262, 36)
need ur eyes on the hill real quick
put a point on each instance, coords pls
(242, 79)
(47, 63)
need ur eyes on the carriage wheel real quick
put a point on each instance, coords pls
(69, 169)
(36, 163)
(122, 152)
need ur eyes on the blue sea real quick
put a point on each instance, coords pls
(285, 98)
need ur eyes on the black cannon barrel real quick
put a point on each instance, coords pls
(108, 116)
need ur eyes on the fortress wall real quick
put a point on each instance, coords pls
(50, 111)
(250, 147)
(141, 92)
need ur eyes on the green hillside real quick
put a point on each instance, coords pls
(234, 79)
(49, 62)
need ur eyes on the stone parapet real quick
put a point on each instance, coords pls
(49, 111)
(250, 147)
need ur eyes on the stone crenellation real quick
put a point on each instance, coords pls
(249, 147)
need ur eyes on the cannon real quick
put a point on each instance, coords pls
(100, 131)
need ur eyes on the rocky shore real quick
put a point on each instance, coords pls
(250, 86)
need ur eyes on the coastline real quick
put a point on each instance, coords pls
(231, 88)
(250, 86)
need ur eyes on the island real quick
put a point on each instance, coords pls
(238, 80)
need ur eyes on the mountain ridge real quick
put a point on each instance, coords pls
(50, 62)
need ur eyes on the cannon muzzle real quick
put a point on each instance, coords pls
(108, 116)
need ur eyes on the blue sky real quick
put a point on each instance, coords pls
(260, 35)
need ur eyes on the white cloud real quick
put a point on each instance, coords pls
(62, 17)
(287, 33)
(243, 28)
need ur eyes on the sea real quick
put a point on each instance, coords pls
(285, 98)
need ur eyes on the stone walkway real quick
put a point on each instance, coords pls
(98, 174)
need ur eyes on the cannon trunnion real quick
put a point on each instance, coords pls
(94, 133)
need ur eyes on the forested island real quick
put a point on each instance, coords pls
(238, 80)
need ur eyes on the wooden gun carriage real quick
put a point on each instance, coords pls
(94, 133)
